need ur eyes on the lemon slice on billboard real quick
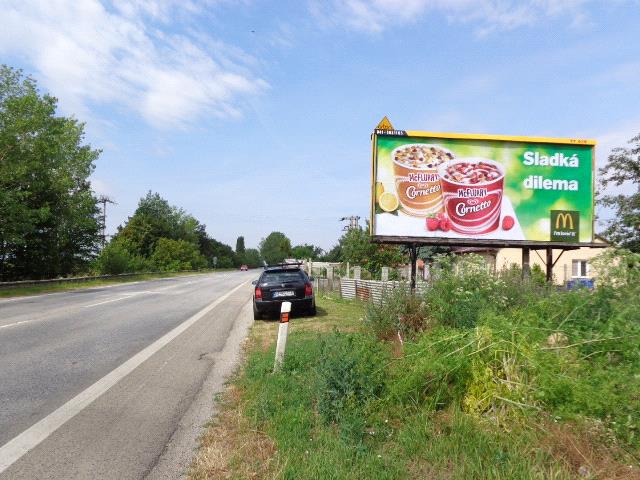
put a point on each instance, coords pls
(388, 202)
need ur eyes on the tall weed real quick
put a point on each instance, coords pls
(503, 348)
(350, 373)
(398, 312)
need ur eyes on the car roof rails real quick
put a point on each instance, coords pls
(285, 265)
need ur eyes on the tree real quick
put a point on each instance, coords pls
(623, 168)
(240, 250)
(155, 220)
(48, 214)
(275, 248)
(240, 246)
(356, 247)
(333, 255)
(117, 258)
(212, 248)
(306, 251)
(252, 258)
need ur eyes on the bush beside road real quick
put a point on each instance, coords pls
(482, 377)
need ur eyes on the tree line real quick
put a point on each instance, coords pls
(162, 237)
(50, 218)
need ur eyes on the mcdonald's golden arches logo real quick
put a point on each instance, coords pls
(565, 218)
(565, 226)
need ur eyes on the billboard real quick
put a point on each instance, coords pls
(491, 189)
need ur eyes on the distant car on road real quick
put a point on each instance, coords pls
(283, 283)
(243, 268)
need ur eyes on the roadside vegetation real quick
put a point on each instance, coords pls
(162, 237)
(483, 376)
(49, 223)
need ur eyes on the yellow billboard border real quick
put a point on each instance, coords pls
(482, 136)
(503, 138)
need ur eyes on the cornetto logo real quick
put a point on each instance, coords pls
(413, 192)
(473, 205)
(565, 226)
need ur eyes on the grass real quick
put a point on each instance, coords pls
(465, 384)
(233, 446)
(64, 287)
(269, 426)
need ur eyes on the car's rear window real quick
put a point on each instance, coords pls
(281, 277)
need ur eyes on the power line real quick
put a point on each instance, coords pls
(353, 222)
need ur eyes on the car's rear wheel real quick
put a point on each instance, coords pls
(312, 311)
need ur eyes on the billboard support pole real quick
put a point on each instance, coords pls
(526, 268)
(549, 264)
(413, 255)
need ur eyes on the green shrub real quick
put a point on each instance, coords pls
(462, 288)
(504, 348)
(428, 372)
(173, 255)
(116, 258)
(113, 260)
(351, 373)
(398, 312)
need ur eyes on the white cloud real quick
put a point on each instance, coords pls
(88, 53)
(375, 16)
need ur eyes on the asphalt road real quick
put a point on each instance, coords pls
(115, 382)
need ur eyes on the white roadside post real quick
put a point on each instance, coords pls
(283, 331)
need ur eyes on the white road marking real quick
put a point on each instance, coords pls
(15, 448)
(114, 285)
(101, 287)
(108, 301)
(16, 323)
(157, 290)
(128, 295)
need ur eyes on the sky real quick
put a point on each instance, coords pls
(255, 116)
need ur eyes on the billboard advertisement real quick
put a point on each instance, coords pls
(484, 188)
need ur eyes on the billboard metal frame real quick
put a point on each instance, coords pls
(526, 245)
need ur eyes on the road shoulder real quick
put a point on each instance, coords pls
(178, 453)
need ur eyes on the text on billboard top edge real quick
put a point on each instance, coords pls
(506, 138)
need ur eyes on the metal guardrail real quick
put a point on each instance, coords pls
(27, 283)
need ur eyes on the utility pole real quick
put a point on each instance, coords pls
(353, 222)
(103, 199)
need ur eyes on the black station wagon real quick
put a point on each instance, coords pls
(283, 283)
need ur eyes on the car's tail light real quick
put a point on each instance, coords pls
(258, 293)
(308, 290)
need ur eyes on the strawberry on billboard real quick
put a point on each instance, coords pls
(491, 189)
